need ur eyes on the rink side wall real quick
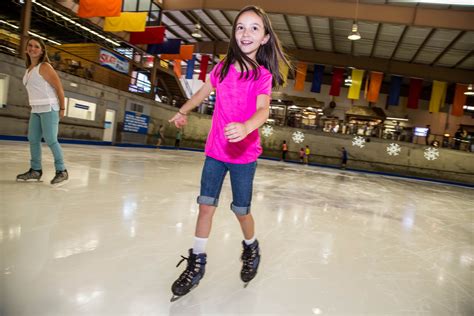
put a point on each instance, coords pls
(452, 165)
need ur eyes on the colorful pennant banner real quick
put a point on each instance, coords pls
(127, 21)
(438, 95)
(317, 78)
(395, 87)
(152, 35)
(301, 69)
(459, 100)
(354, 90)
(414, 92)
(100, 8)
(337, 78)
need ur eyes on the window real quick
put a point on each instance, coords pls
(4, 79)
(149, 6)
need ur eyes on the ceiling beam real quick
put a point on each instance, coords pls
(374, 43)
(471, 53)
(331, 35)
(181, 25)
(191, 16)
(399, 42)
(427, 38)
(454, 41)
(310, 28)
(226, 17)
(213, 19)
(291, 31)
(386, 13)
(368, 63)
(170, 29)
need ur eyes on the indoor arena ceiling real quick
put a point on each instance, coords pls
(431, 40)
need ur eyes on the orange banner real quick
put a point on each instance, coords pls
(185, 53)
(177, 67)
(374, 87)
(93, 8)
(301, 69)
(459, 100)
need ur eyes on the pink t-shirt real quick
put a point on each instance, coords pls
(236, 101)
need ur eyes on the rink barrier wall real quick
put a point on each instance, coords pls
(312, 164)
(452, 165)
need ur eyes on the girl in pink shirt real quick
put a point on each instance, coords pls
(243, 82)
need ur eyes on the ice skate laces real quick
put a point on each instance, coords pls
(193, 268)
(248, 257)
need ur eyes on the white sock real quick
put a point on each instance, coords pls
(250, 241)
(199, 245)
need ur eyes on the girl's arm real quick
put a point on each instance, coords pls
(235, 132)
(51, 76)
(180, 118)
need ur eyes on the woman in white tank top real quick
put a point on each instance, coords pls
(46, 98)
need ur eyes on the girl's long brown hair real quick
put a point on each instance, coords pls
(43, 58)
(268, 55)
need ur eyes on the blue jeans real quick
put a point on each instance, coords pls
(45, 125)
(241, 179)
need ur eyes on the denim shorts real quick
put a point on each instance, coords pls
(241, 179)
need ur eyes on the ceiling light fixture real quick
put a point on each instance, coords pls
(355, 35)
(197, 31)
(470, 90)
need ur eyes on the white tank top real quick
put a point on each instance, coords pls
(41, 94)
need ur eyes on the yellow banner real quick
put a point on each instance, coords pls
(301, 69)
(164, 64)
(127, 21)
(284, 72)
(438, 95)
(354, 90)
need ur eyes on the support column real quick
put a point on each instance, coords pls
(24, 27)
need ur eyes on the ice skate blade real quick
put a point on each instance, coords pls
(30, 180)
(177, 297)
(60, 184)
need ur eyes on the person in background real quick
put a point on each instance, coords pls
(428, 133)
(178, 137)
(284, 150)
(301, 155)
(46, 98)
(160, 136)
(307, 152)
(343, 157)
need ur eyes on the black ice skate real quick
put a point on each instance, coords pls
(60, 178)
(190, 277)
(250, 261)
(30, 175)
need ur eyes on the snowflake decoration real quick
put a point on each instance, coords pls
(298, 137)
(393, 149)
(267, 130)
(431, 153)
(358, 141)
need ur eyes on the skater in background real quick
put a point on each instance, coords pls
(46, 98)
(177, 141)
(284, 150)
(160, 136)
(243, 81)
(302, 154)
(343, 157)
(307, 152)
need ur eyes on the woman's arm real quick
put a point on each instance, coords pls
(51, 76)
(235, 131)
(179, 118)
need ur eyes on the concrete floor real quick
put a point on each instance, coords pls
(333, 242)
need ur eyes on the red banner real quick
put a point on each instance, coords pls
(337, 77)
(414, 93)
(152, 35)
(459, 100)
(204, 62)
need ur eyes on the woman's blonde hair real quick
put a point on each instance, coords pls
(44, 56)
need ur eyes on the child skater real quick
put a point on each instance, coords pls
(243, 82)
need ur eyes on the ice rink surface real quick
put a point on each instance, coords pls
(333, 242)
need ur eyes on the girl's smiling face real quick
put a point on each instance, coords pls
(34, 49)
(250, 33)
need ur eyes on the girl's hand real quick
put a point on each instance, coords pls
(235, 132)
(61, 113)
(179, 120)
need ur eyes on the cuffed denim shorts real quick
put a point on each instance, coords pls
(241, 179)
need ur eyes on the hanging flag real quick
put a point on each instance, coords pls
(177, 67)
(283, 67)
(100, 8)
(190, 68)
(164, 64)
(185, 53)
(317, 78)
(222, 56)
(301, 69)
(127, 21)
(459, 100)
(366, 86)
(414, 92)
(438, 95)
(354, 90)
(170, 46)
(394, 94)
(152, 35)
(374, 87)
(337, 77)
(204, 62)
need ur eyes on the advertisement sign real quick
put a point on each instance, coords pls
(113, 61)
(135, 122)
(421, 131)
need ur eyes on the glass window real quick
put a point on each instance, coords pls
(130, 5)
(4, 79)
(144, 5)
